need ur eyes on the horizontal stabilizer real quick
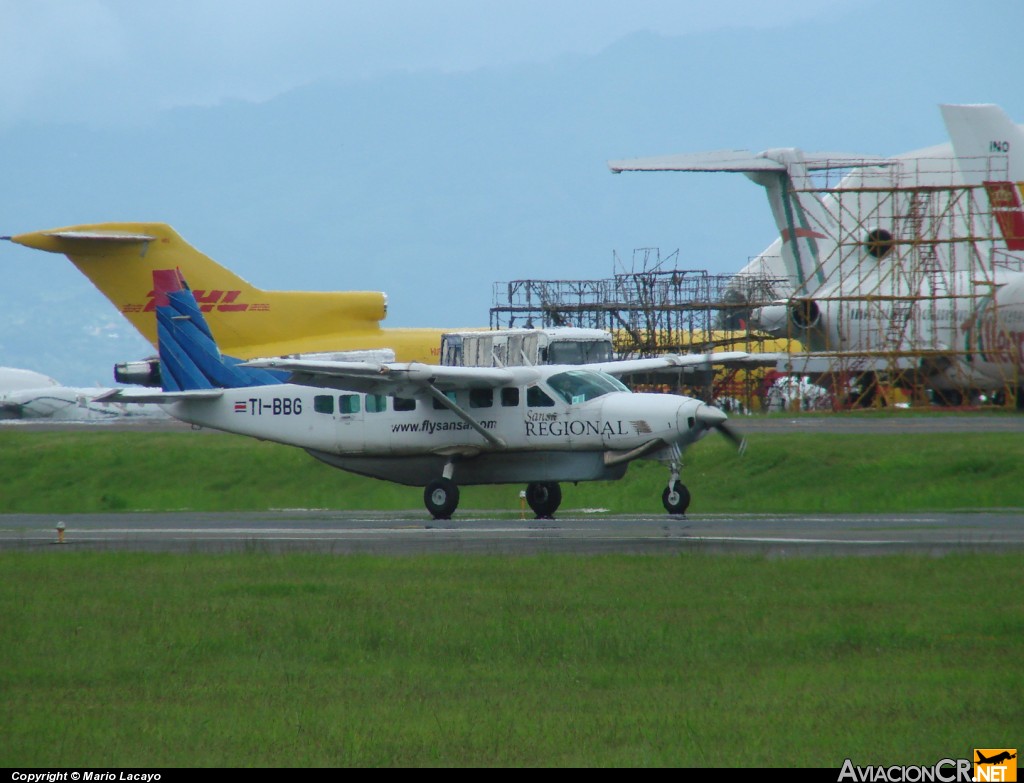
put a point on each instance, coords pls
(99, 236)
(156, 396)
(744, 161)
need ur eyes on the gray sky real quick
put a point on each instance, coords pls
(111, 62)
(494, 148)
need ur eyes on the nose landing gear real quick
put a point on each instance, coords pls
(676, 497)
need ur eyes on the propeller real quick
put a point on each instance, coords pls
(735, 438)
(713, 418)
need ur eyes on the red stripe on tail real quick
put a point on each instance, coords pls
(1009, 212)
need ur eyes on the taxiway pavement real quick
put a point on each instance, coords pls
(576, 532)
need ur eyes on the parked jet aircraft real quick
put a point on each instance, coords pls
(432, 426)
(119, 259)
(850, 297)
(26, 394)
(990, 150)
(867, 195)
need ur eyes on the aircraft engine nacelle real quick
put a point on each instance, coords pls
(773, 319)
(782, 319)
(141, 373)
(799, 319)
(804, 313)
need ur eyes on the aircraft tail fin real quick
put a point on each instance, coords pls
(189, 356)
(987, 143)
(989, 149)
(809, 231)
(119, 259)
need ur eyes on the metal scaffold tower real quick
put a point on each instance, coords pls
(912, 266)
(651, 310)
(907, 270)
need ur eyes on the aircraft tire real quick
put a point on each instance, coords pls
(677, 499)
(544, 498)
(441, 497)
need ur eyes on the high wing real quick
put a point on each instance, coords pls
(630, 366)
(387, 378)
(743, 161)
(413, 378)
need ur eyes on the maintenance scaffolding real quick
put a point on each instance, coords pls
(651, 311)
(909, 266)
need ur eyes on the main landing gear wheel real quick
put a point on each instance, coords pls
(544, 498)
(676, 498)
(441, 498)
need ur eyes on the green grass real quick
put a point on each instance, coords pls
(693, 660)
(126, 659)
(66, 472)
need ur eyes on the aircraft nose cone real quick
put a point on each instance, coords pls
(695, 418)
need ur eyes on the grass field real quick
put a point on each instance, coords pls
(130, 659)
(66, 472)
(693, 660)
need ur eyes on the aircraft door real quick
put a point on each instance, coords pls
(350, 426)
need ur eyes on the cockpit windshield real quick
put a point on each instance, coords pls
(575, 386)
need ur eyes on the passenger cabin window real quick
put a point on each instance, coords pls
(323, 403)
(376, 403)
(575, 386)
(348, 403)
(404, 404)
(481, 398)
(510, 397)
(536, 398)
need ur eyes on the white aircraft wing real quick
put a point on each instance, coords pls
(744, 161)
(396, 379)
(630, 366)
(157, 396)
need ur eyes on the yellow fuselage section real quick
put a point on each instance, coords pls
(248, 322)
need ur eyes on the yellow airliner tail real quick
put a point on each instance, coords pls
(119, 259)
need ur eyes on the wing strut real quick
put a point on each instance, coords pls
(440, 396)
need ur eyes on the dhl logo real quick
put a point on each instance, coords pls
(223, 301)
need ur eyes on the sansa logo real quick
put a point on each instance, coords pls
(223, 301)
(995, 764)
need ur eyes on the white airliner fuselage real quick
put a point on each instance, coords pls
(903, 266)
